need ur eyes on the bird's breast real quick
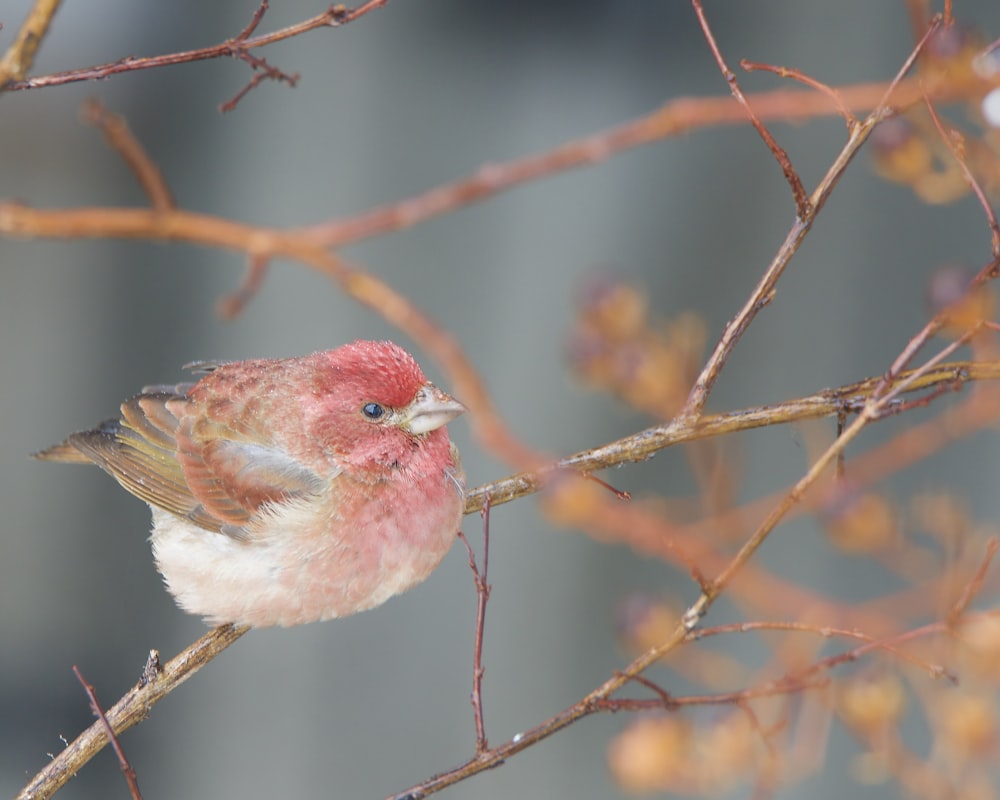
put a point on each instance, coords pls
(348, 548)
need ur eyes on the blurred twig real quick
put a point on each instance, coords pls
(119, 136)
(267, 243)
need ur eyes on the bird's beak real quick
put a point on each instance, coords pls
(430, 409)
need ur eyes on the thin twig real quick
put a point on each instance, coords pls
(231, 305)
(20, 220)
(640, 446)
(666, 700)
(483, 588)
(258, 15)
(123, 763)
(737, 697)
(332, 17)
(120, 137)
(975, 584)
(802, 202)
(621, 494)
(263, 71)
(925, 400)
(825, 631)
(366, 289)
(130, 710)
(762, 293)
(674, 118)
(600, 700)
(396, 308)
(788, 72)
(873, 410)
(956, 146)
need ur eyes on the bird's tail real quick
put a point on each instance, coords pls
(65, 451)
(70, 452)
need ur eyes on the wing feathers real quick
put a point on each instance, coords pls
(186, 463)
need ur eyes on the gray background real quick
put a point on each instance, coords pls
(411, 96)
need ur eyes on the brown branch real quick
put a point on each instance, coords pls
(19, 220)
(892, 382)
(263, 71)
(908, 447)
(956, 145)
(666, 700)
(332, 17)
(848, 656)
(872, 409)
(124, 765)
(258, 15)
(120, 137)
(802, 202)
(640, 446)
(268, 243)
(737, 697)
(262, 243)
(764, 291)
(674, 118)
(21, 54)
(231, 305)
(130, 710)
(826, 631)
(812, 83)
(974, 585)
(600, 700)
(483, 588)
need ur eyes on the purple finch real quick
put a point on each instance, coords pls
(292, 490)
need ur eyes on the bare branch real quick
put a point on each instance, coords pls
(123, 763)
(118, 134)
(130, 710)
(238, 46)
(802, 203)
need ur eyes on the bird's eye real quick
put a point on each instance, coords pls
(373, 410)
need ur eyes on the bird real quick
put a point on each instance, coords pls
(287, 491)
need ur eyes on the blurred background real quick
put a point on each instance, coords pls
(408, 97)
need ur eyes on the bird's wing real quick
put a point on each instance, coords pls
(233, 471)
(193, 466)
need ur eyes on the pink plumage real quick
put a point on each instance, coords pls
(290, 490)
